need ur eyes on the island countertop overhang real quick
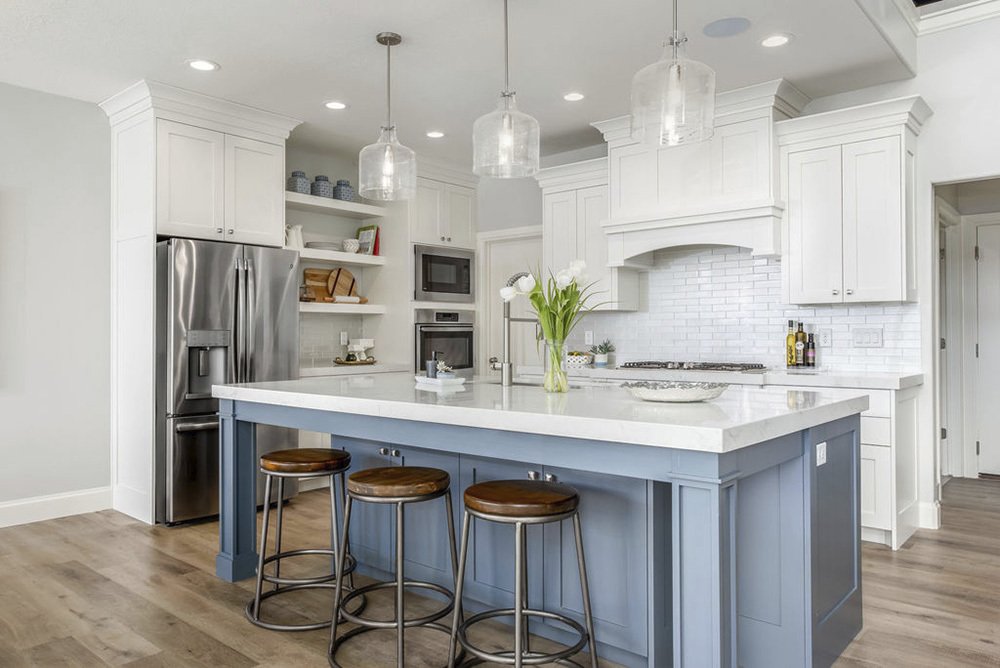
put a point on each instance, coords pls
(742, 416)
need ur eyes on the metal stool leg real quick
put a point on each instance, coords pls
(518, 594)
(400, 609)
(339, 589)
(347, 539)
(334, 538)
(263, 547)
(277, 527)
(585, 589)
(463, 554)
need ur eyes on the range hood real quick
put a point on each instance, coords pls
(723, 191)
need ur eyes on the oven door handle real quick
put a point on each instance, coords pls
(445, 328)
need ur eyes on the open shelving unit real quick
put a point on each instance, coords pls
(341, 309)
(335, 207)
(340, 257)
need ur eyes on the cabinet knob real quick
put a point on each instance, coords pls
(229, 231)
(395, 453)
(442, 238)
(218, 230)
(836, 292)
(551, 477)
(449, 238)
(532, 475)
(384, 452)
(850, 292)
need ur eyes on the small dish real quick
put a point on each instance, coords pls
(675, 391)
(351, 245)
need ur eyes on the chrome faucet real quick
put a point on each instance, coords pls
(504, 366)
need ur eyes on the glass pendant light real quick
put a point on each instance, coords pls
(673, 100)
(505, 141)
(387, 170)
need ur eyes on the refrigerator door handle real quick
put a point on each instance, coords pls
(184, 427)
(241, 321)
(250, 318)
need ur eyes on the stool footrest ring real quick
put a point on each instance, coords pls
(349, 567)
(309, 626)
(528, 658)
(426, 620)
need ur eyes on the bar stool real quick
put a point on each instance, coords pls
(522, 502)
(299, 464)
(396, 485)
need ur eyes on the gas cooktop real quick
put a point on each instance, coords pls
(696, 366)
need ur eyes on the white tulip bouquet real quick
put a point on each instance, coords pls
(559, 305)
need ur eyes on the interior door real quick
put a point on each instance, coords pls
(988, 307)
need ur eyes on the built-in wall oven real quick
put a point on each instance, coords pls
(443, 275)
(451, 335)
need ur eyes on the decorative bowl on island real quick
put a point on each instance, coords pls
(576, 359)
(675, 391)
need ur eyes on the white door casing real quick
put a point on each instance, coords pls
(988, 368)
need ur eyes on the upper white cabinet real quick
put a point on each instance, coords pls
(848, 177)
(574, 211)
(212, 185)
(444, 214)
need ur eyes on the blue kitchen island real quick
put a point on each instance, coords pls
(724, 533)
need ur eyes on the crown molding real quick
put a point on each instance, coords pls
(911, 112)
(956, 17)
(438, 170)
(574, 175)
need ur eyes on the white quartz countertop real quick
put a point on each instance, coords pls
(326, 367)
(814, 378)
(742, 416)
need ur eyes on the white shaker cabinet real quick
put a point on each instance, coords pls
(190, 183)
(255, 195)
(444, 214)
(848, 177)
(574, 211)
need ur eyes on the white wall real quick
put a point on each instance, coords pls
(958, 69)
(504, 203)
(55, 198)
(722, 304)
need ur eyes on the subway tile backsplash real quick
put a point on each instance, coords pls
(319, 337)
(723, 304)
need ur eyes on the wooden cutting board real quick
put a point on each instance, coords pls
(341, 282)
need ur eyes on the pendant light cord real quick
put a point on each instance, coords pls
(388, 86)
(506, 51)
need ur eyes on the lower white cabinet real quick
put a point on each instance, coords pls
(574, 210)
(876, 486)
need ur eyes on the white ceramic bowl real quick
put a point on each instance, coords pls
(351, 245)
(675, 391)
(577, 361)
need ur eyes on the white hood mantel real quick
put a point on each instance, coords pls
(723, 191)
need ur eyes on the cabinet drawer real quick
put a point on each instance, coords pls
(879, 404)
(876, 487)
(876, 431)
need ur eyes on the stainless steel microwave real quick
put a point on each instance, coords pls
(444, 275)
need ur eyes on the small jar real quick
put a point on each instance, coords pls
(322, 187)
(343, 190)
(298, 182)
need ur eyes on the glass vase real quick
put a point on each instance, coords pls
(555, 379)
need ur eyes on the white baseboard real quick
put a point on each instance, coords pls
(930, 515)
(51, 506)
(881, 536)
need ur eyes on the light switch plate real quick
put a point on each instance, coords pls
(588, 337)
(866, 337)
(821, 453)
(825, 338)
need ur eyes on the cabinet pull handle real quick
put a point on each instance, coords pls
(395, 453)
(384, 452)
(532, 475)
(551, 477)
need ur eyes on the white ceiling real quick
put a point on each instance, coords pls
(290, 56)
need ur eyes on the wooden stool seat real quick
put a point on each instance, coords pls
(521, 498)
(398, 482)
(305, 460)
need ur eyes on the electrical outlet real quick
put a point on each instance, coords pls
(343, 338)
(588, 338)
(866, 337)
(825, 338)
(821, 453)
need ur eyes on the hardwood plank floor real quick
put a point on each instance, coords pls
(101, 589)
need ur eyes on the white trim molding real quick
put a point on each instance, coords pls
(51, 506)
(956, 17)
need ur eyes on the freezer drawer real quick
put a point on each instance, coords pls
(191, 468)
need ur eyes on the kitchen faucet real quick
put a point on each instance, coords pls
(505, 367)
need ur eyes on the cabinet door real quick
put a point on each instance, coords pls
(613, 515)
(426, 225)
(815, 212)
(427, 554)
(372, 525)
(874, 230)
(255, 192)
(189, 181)
(559, 231)
(634, 186)
(460, 216)
(592, 243)
(489, 570)
(876, 487)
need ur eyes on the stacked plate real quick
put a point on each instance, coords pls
(324, 245)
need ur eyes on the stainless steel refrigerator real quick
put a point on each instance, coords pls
(226, 313)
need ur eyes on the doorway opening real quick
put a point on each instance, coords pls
(968, 308)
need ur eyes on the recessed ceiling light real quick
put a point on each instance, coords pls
(779, 39)
(573, 97)
(203, 65)
(435, 134)
(727, 27)
(334, 104)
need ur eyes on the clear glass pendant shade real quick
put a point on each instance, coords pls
(505, 142)
(673, 100)
(387, 169)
